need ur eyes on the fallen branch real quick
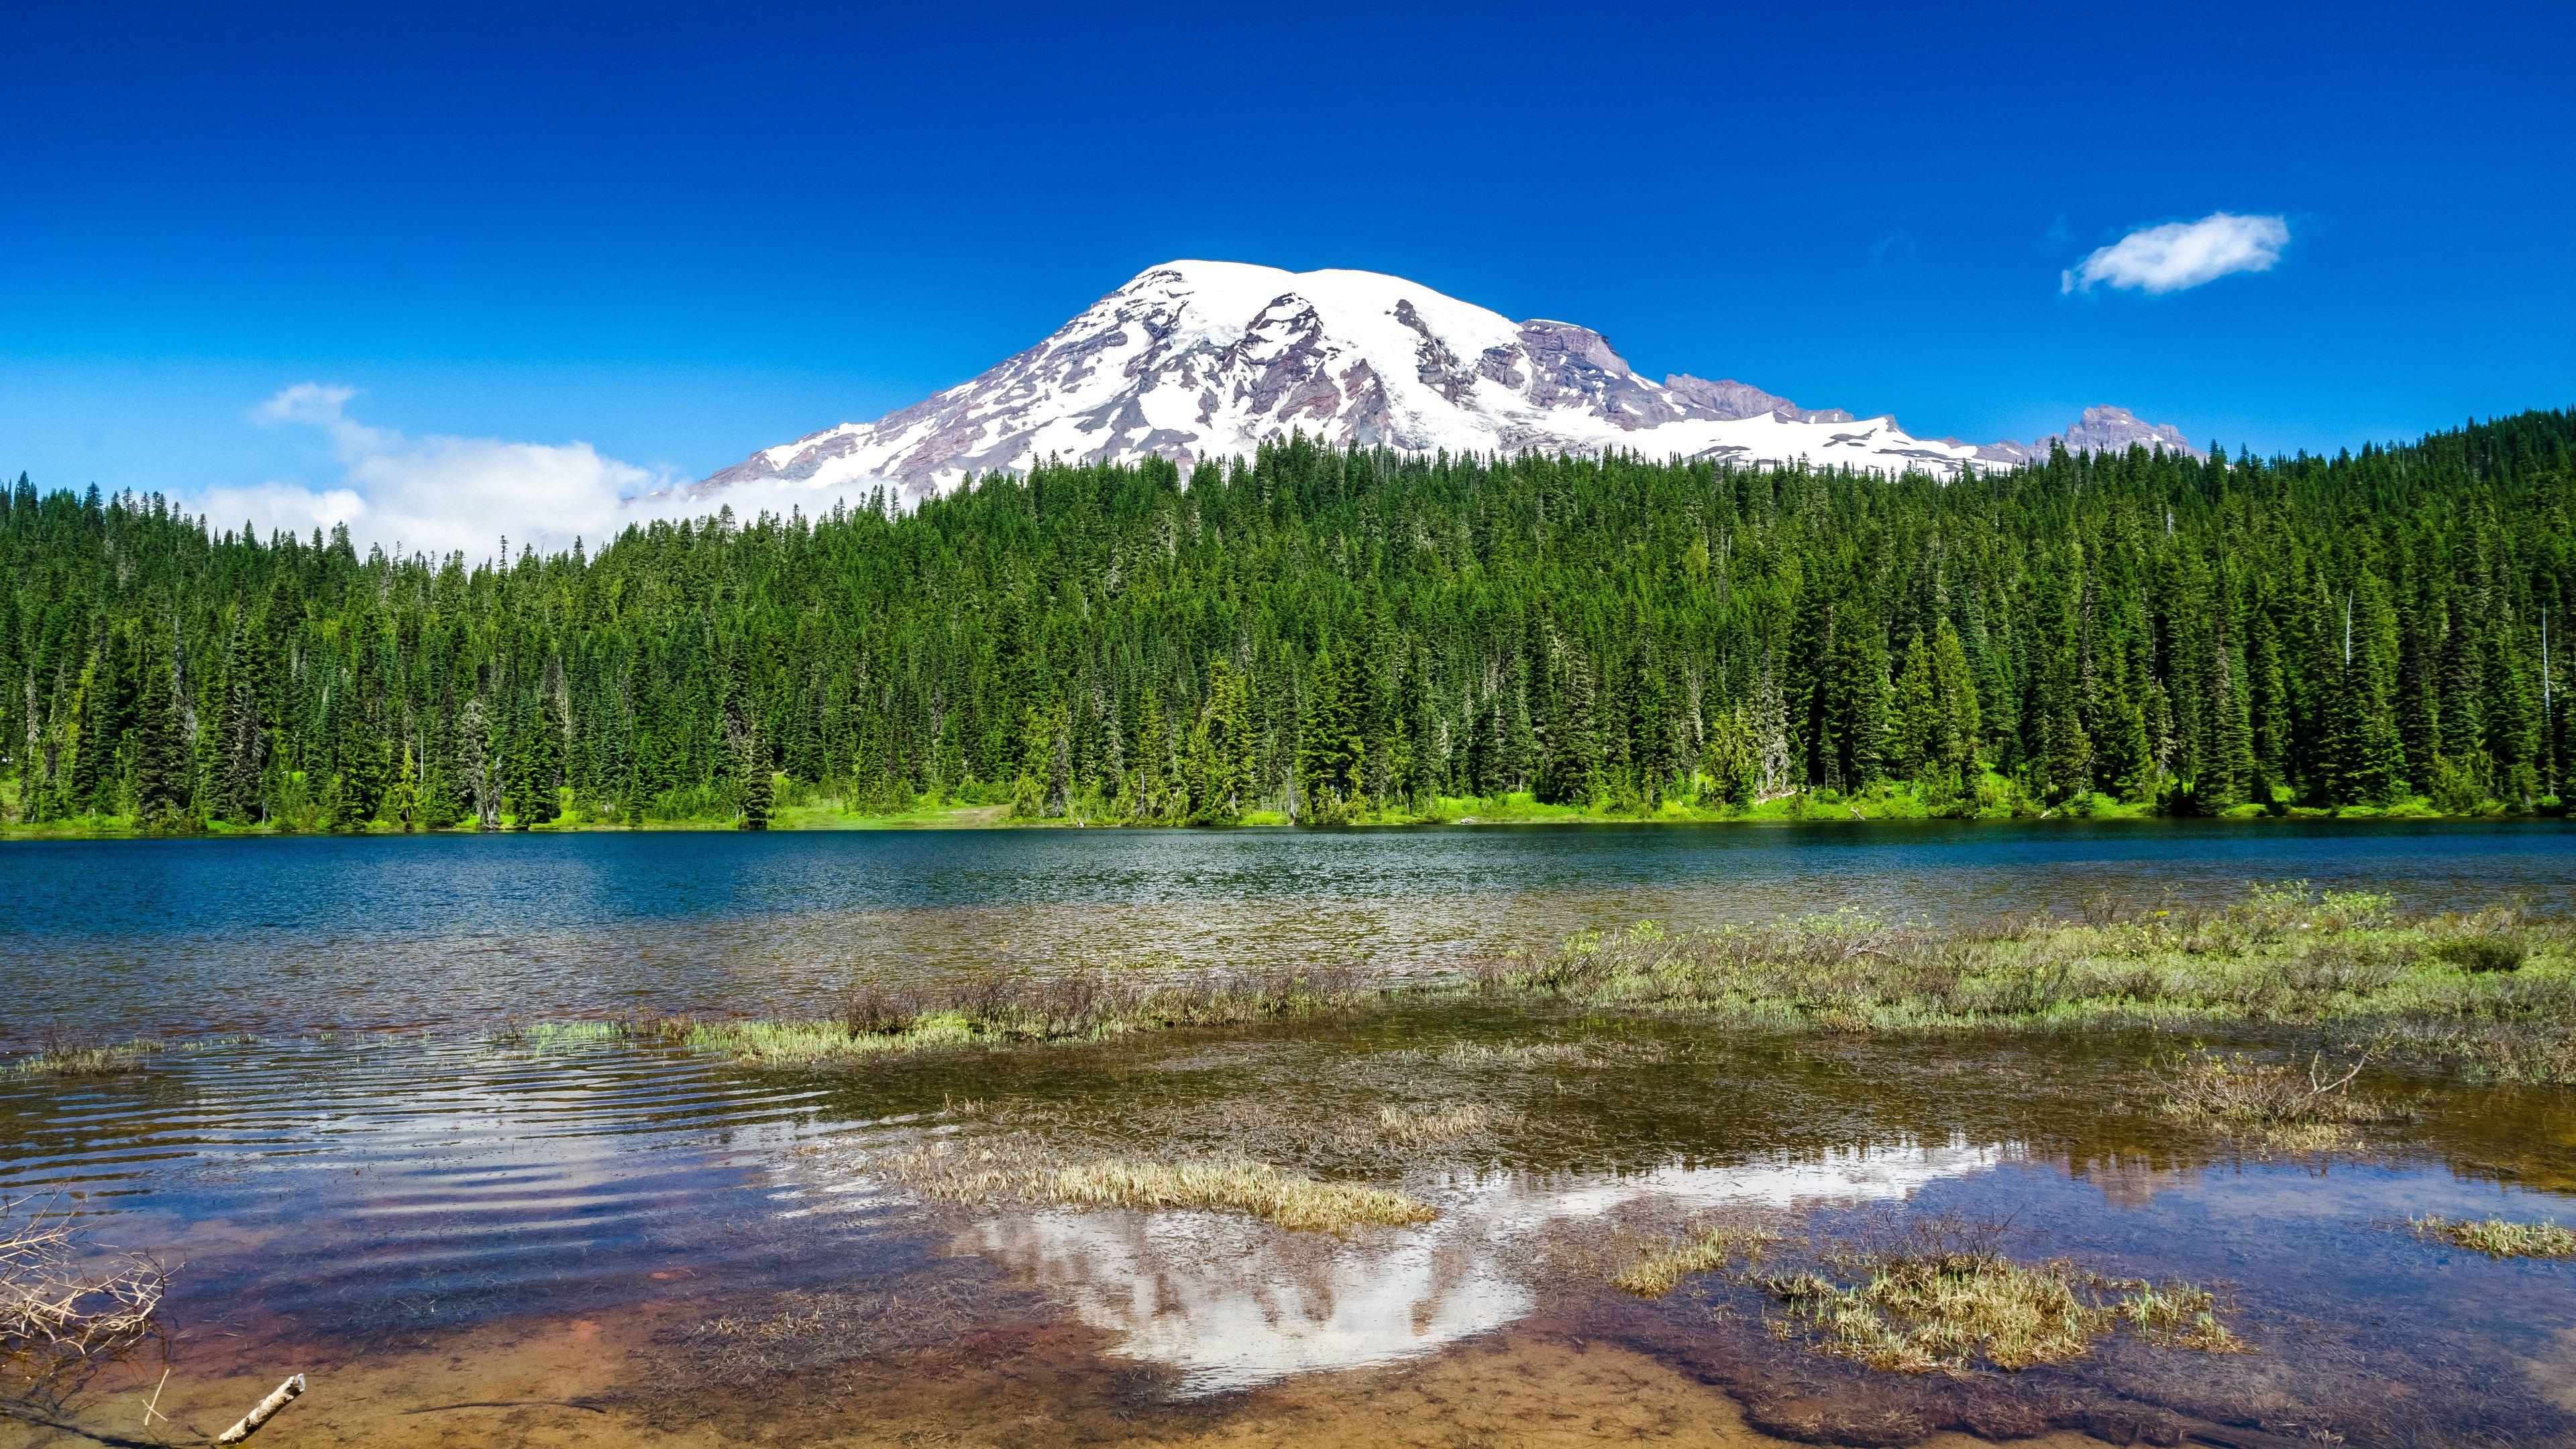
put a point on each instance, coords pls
(278, 1398)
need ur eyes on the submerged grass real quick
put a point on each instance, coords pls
(85, 1059)
(2280, 1104)
(1017, 1170)
(990, 1011)
(1437, 1126)
(1710, 1250)
(2499, 1237)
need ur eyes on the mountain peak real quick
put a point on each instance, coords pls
(1195, 360)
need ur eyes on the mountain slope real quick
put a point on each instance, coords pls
(1196, 360)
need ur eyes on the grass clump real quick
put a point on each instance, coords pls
(1018, 1171)
(1955, 1312)
(2283, 1104)
(1434, 1126)
(1711, 1250)
(2499, 1237)
(58, 1056)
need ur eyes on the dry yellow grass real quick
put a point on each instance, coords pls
(1425, 1127)
(1008, 1171)
(1951, 1312)
(1661, 1271)
(2499, 1237)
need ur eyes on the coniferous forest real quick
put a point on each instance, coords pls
(1326, 636)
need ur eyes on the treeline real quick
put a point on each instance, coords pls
(1334, 635)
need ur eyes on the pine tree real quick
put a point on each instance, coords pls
(1571, 776)
(162, 784)
(480, 756)
(758, 789)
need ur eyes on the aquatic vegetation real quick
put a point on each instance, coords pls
(990, 1011)
(539, 1035)
(2496, 951)
(1710, 1250)
(1953, 1312)
(1532, 1053)
(58, 1057)
(2284, 1104)
(2499, 1237)
(63, 1317)
(1426, 1127)
(2488, 992)
(1002, 1170)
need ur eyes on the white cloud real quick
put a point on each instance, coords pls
(436, 494)
(2183, 254)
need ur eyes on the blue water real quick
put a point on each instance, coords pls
(454, 932)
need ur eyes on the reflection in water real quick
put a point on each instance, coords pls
(1231, 1304)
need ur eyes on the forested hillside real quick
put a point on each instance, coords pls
(1336, 635)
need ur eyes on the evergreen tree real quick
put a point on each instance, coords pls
(1573, 740)
(758, 788)
(162, 773)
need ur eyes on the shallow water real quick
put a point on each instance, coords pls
(614, 1242)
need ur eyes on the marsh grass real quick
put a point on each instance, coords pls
(64, 1315)
(2282, 1104)
(61, 1056)
(540, 1035)
(2499, 1237)
(1442, 1125)
(1957, 1311)
(1006, 1170)
(2490, 991)
(987, 1011)
(1520, 1054)
(2488, 994)
(1710, 1250)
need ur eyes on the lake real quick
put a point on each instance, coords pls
(458, 932)
(469, 1239)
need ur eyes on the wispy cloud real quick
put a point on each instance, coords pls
(2182, 254)
(436, 494)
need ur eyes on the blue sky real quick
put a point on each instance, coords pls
(680, 233)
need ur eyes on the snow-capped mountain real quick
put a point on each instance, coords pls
(1194, 361)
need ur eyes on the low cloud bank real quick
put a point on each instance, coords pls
(2182, 254)
(439, 494)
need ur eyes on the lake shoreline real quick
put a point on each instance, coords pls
(1790, 811)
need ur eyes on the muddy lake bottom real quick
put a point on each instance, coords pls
(618, 1242)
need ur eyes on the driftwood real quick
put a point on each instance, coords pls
(267, 1408)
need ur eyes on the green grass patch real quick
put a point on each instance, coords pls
(2498, 1237)
(1010, 1169)
(2489, 993)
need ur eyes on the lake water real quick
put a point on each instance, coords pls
(465, 1242)
(455, 933)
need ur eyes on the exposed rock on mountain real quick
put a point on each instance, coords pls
(1195, 361)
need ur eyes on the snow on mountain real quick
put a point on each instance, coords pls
(1194, 361)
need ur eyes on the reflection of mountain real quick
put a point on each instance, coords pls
(1231, 1303)
(2131, 1181)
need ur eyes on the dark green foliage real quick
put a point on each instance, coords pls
(1334, 634)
